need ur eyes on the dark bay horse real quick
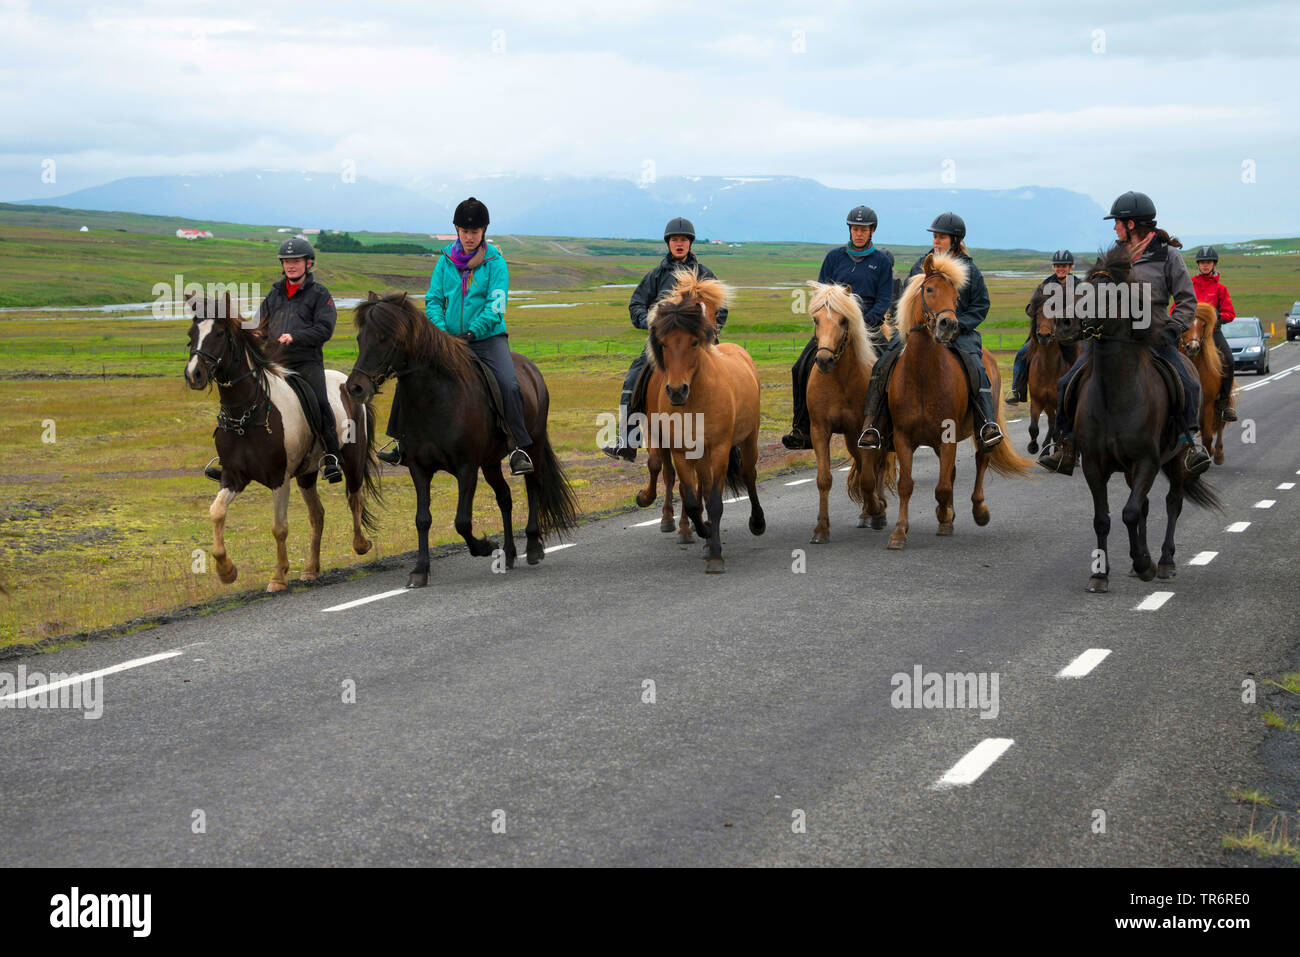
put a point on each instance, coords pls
(448, 425)
(263, 436)
(1122, 421)
(837, 394)
(1046, 366)
(929, 400)
(1198, 343)
(713, 400)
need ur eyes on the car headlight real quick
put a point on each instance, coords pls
(1252, 350)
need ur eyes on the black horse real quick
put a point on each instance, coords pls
(1122, 419)
(448, 424)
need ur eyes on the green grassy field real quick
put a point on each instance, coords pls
(101, 515)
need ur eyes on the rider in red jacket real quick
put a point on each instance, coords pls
(1210, 289)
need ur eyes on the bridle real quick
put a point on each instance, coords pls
(929, 317)
(838, 350)
(225, 418)
(377, 379)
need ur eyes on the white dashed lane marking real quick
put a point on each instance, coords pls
(1153, 601)
(367, 600)
(1286, 486)
(1203, 558)
(556, 548)
(800, 482)
(90, 675)
(653, 521)
(1266, 503)
(1237, 527)
(976, 762)
(1084, 663)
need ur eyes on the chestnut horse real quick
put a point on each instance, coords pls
(837, 394)
(929, 399)
(262, 436)
(1198, 342)
(1046, 366)
(716, 388)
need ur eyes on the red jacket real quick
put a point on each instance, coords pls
(1209, 289)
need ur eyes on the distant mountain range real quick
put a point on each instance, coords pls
(740, 209)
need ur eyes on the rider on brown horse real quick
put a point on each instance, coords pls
(659, 282)
(1210, 289)
(297, 319)
(1062, 264)
(1157, 266)
(972, 307)
(869, 273)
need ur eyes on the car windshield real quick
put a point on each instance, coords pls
(1245, 328)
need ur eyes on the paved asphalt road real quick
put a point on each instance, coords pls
(518, 697)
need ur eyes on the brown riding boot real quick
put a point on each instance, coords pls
(1061, 459)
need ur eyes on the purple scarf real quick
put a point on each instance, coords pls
(466, 264)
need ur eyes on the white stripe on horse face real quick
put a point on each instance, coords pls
(205, 329)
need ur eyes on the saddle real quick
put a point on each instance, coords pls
(493, 388)
(1168, 374)
(310, 406)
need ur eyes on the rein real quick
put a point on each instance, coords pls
(225, 414)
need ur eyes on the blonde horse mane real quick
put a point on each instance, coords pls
(841, 302)
(947, 267)
(677, 308)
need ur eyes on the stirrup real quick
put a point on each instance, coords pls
(520, 463)
(329, 465)
(796, 439)
(1013, 398)
(1226, 412)
(623, 453)
(871, 439)
(990, 435)
(211, 471)
(392, 458)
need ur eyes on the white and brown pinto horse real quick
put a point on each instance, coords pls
(263, 436)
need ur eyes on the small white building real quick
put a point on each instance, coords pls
(84, 229)
(193, 234)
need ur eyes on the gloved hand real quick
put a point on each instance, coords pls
(1169, 336)
(466, 337)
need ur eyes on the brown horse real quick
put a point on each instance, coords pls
(1198, 342)
(836, 398)
(1046, 366)
(929, 399)
(262, 436)
(713, 392)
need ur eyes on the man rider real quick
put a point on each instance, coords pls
(1062, 265)
(1158, 265)
(949, 231)
(679, 234)
(869, 273)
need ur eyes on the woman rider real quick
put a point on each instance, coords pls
(467, 299)
(1210, 289)
(1062, 264)
(869, 273)
(949, 231)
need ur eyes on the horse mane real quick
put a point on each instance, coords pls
(394, 318)
(1210, 316)
(691, 306)
(841, 302)
(948, 267)
(247, 340)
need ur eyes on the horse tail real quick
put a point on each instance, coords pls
(1004, 459)
(735, 472)
(854, 480)
(370, 473)
(556, 504)
(891, 472)
(889, 463)
(1202, 494)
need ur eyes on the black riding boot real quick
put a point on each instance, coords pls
(799, 437)
(393, 456)
(877, 435)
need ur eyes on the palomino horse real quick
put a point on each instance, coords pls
(263, 436)
(1046, 366)
(837, 394)
(660, 459)
(713, 392)
(1122, 423)
(448, 424)
(1198, 342)
(929, 399)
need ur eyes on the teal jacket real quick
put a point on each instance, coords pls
(482, 310)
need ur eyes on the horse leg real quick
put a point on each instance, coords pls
(1135, 510)
(666, 516)
(419, 576)
(280, 529)
(226, 569)
(943, 488)
(355, 456)
(467, 482)
(978, 508)
(492, 474)
(534, 550)
(1100, 580)
(905, 485)
(749, 467)
(646, 497)
(714, 563)
(821, 442)
(316, 515)
(692, 507)
(1034, 409)
(1173, 508)
(1218, 441)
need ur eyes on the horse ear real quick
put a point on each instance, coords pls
(372, 297)
(231, 312)
(929, 263)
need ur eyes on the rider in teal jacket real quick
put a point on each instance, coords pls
(481, 309)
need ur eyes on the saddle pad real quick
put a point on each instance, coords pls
(310, 407)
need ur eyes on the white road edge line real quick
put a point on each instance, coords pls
(800, 482)
(1203, 558)
(556, 548)
(1153, 601)
(1083, 664)
(1272, 378)
(653, 521)
(367, 600)
(978, 760)
(1237, 527)
(1266, 503)
(90, 675)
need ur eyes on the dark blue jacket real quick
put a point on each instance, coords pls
(973, 302)
(658, 282)
(309, 317)
(871, 278)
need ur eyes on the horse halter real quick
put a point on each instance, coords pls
(837, 351)
(929, 317)
(213, 363)
(378, 378)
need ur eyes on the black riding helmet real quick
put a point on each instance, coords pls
(1062, 257)
(297, 248)
(949, 223)
(861, 216)
(1207, 254)
(1135, 206)
(471, 214)
(679, 226)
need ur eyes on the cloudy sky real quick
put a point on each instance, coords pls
(1193, 102)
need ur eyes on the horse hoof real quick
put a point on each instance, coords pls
(276, 586)
(878, 521)
(417, 580)
(535, 555)
(1218, 458)
(1031, 448)
(945, 528)
(757, 525)
(1098, 586)
(1148, 573)
(510, 560)
(1166, 572)
(307, 577)
(897, 541)
(362, 546)
(667, 525)
(863, 521)
(685, 538)
(643, 500)
(715, 566)
(820, 538)
(227, 574)
(981, 513)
